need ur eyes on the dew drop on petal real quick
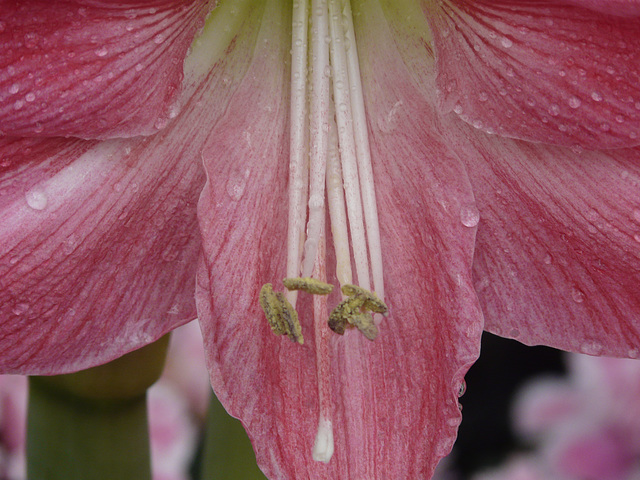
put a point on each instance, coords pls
(36, 199)
(591, 348)
(20, 308)
(577, 295)
(463, 388)
(236, 185)
(574, 102)
(469, 215)
(596, 96)
(506, 43)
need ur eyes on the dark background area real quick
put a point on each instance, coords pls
(485, 437)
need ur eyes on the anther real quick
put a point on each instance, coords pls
(281, 316)
(309, 285)
(354, 312)
(371, 300)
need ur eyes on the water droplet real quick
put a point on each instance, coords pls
(158, 39)
(20, 308)
(548, 259)
(458, 109)
(577, 295)
(469, 215)
(554, 110)
(506, 43)
(36, 199)
(161, 123)
(463, 388)
(483, 96)
(596, 96)
(574, 102)
(14, 88)
(30, 97)
(102, 51)
(591, 348)
(236, 185)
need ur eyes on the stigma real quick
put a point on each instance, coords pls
(330, 186)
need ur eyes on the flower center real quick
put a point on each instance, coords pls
(330, 163)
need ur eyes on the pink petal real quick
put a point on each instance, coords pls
(395, 406)
(545, 72)
(624, 8)
(93, 69)
(558, 258)
(98, 247)
(100, 239)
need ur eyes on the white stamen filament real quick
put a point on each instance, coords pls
(337, 210)
(325, 157)
(347, 147)
(363, 152)
(298, 152)
(318, 130)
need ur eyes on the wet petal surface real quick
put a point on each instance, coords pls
(93, 69)
(545, 72)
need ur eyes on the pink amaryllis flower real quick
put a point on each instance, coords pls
(495, 154)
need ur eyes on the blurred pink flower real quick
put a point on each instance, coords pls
(173, 433)
(585, 427)
(13, 417)
(185, 369)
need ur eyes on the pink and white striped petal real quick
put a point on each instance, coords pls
(558, 246)
(99, 239)
(545, 72)
(96, 69)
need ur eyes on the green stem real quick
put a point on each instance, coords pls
(227, 453)
(92, 425)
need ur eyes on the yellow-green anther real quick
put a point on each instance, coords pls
(309, 285)
(281, 316)
(364, 323)
(370, 299)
